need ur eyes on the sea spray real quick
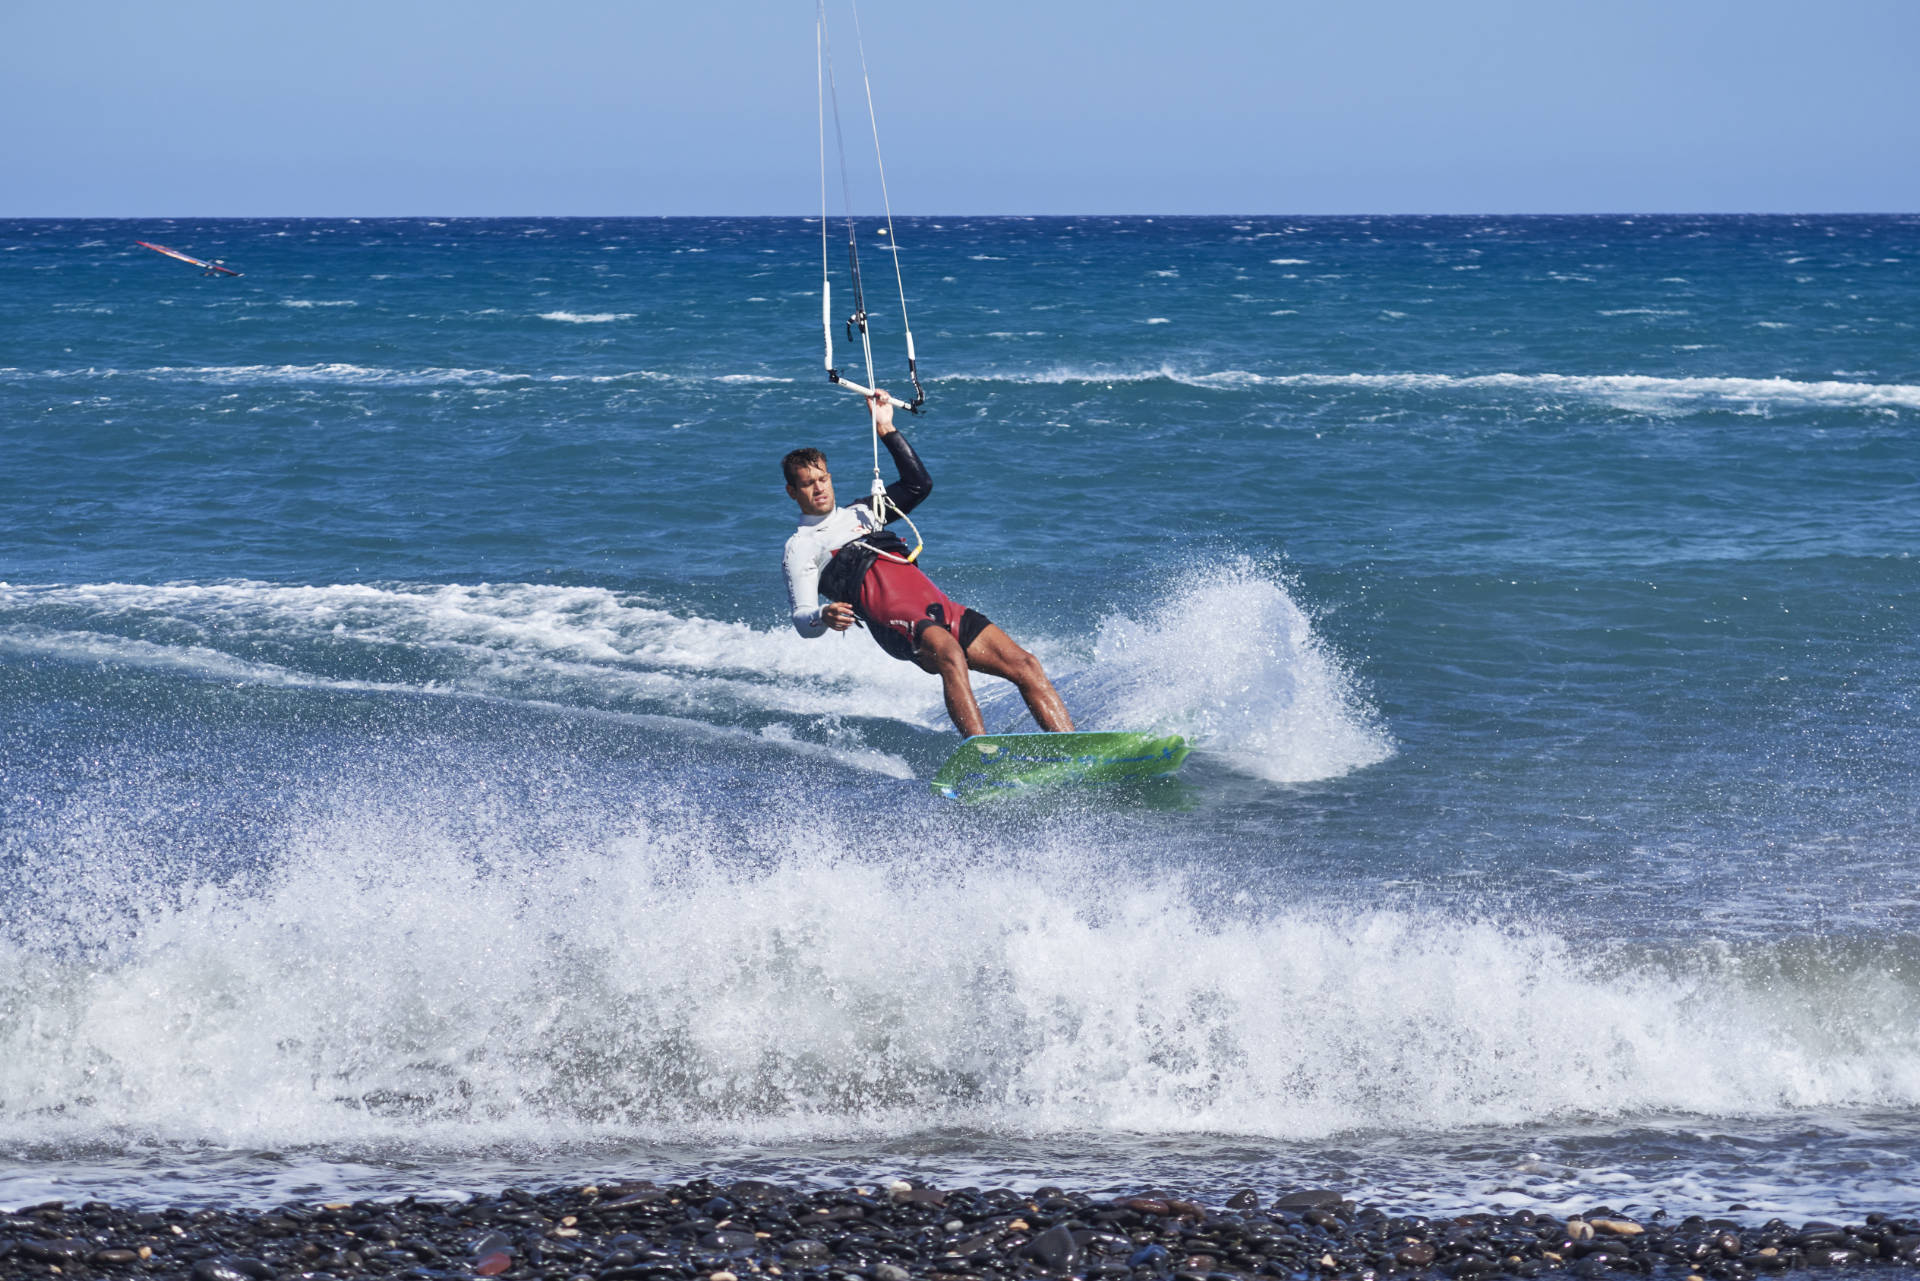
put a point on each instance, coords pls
(407, 974)
(1228, 659)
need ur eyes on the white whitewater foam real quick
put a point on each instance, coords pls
(587, 318)
(1645, 387)
(127, 651)
(1231, 662)
(344, 373)
(563, 644)
(399, 975)
(1784, 391)
(202, 663)
(335, 372)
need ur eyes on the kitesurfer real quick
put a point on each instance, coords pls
(847, 555)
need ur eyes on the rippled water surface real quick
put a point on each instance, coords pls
(409, 780)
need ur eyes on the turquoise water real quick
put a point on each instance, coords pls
(408, 777)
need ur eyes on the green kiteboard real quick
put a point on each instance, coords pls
(994, 764)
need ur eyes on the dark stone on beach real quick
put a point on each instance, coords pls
(220, 1269)
(1149, 1256)
(1833, 1256)
(806, 1250)
(488, 1242)
(113, 1258)
(1055, 1249)
(728, 1242)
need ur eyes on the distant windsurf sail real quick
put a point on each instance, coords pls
(206, 268)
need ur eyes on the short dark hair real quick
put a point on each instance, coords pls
(793, 462)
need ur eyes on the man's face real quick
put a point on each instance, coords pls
(813, 490)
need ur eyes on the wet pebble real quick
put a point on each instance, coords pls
(56, 1252)
(1151, 1257)
(1055, 1250)
(492, 1263)
(216, 1268)
(728, 1241)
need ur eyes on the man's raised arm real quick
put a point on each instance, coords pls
(914, 484)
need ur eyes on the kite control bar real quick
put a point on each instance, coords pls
(912, 407)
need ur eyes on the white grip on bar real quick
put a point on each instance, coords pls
(852, 386)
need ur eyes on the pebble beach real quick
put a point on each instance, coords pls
(750, 1229)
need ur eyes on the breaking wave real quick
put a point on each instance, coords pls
(391, 978)
(1759, 391)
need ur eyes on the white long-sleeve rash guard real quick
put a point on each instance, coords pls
(808, 552)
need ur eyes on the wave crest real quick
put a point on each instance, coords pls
(392, 979)
(1644, 388)
(1230, 661)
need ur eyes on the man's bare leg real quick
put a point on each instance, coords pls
(941, 654)
(994, 652)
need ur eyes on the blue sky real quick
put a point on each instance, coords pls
(224, 107)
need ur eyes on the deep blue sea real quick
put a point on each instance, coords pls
(409, 780)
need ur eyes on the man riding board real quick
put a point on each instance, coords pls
(847, 555)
